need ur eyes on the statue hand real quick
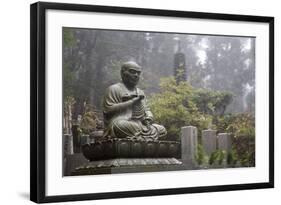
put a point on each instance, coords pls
(147, 122)
(137, 99)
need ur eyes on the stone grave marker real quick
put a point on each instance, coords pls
(189, 145)
(209, 141)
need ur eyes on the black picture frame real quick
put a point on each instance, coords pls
(38, 100)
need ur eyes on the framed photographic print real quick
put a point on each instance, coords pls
(129, 102)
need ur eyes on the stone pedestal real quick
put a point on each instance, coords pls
(130, 148)
(189, 143)
(209, 141)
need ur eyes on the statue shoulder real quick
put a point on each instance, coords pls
(114, 90)
(115, 87)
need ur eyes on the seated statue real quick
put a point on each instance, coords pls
(125, 109)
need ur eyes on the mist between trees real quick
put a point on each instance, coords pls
(92, 60)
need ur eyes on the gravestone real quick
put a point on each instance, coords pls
(224, 142)
(84, 139)
(209, 141)
(68, 144)
(76, 138)
(189, 145)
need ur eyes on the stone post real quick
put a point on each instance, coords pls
(189, 145)
(85, 139)
(209, 141)
(76, 138)
(224, 142)
(68, 144)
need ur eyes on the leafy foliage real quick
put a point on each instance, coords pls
(212, 102)
(200, 156)
(89, 121)
(232, 158)
(242, 128)
(242, 124)
(179, 105)
(68, 38)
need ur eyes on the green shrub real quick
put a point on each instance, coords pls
(180, 104)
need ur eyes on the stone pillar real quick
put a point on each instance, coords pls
(209, 141)
(189, 145)
(85, 139)
(224, 142)
(76, 138)
(68, 144)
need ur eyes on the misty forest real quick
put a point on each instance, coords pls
(206, 81)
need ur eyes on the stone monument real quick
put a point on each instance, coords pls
(126, 112)
(131, 138)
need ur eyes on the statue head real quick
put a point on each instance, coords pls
(130, 73)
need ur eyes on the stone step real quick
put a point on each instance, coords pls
(126, 165)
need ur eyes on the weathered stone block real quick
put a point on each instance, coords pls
(224, 144)
(224, 141)
(209, 141)
(189, 143)
(68, 144)
(85, 139)
(136, 149)
(150, 149)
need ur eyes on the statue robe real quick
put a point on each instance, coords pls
(123, 120)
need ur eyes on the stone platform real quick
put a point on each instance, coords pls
(127, 165)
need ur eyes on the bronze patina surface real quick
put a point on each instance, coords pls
(126, 112)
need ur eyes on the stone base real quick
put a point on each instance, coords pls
(127, 148)
(129, 165)
(72, 161)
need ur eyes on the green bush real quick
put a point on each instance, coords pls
(242, 128)
(200, 156)
(180, 104)
(90, 120)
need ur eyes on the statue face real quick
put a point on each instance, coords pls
(131, 77)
